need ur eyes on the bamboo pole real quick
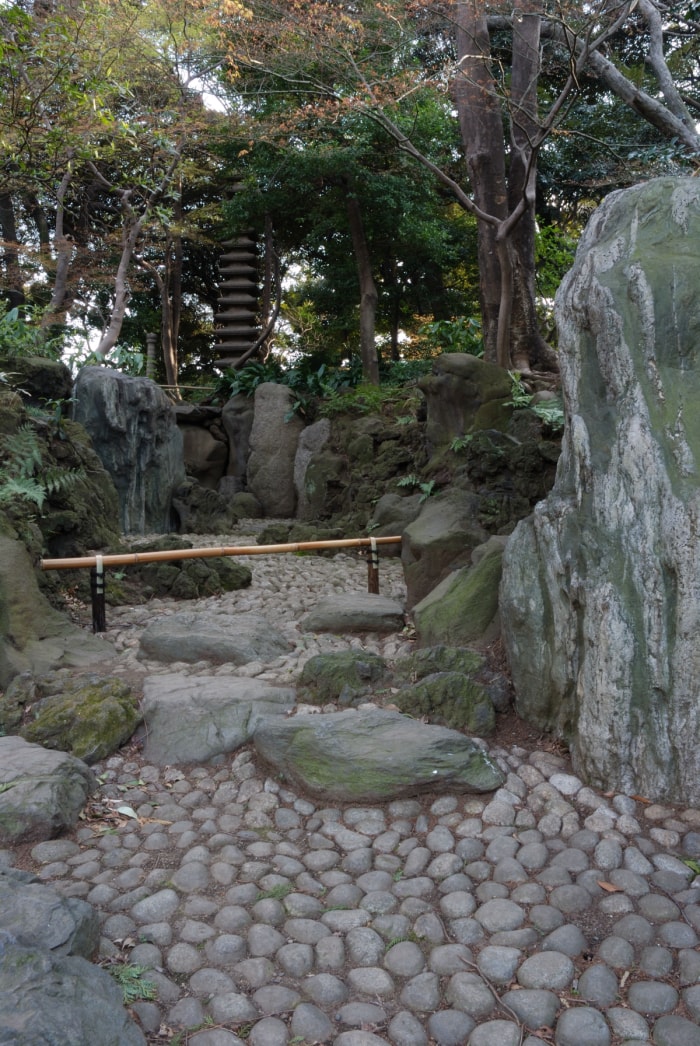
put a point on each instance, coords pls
(126, 558)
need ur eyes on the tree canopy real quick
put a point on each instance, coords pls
(359, 130)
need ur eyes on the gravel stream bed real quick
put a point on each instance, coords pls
(546, 912)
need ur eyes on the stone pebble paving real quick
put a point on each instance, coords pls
(546, 912)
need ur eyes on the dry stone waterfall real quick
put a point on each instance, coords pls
(600, 596)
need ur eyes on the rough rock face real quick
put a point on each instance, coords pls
(133, 429)
(464, 393)
(33, 636)
(41, 792)
(49, 992)
(194, 719)
(311, 442)
(237, 419)
(88, 717)
(273, 446)
(601, 587)
(441, 539)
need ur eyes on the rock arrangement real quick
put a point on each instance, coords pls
(261, 914)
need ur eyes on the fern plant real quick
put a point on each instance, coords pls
(23, 475)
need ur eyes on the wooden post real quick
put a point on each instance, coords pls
(373, 568)
(97, 588)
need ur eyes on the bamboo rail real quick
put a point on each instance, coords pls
(98, 563)
(123, 559)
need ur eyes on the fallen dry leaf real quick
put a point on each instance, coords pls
(609, 886)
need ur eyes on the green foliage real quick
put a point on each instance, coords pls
(412, 480)
(458, 335)
(549, 411)
(132, 982)
(22, 335)
(461, 442)
(23, 475)
(554, 255)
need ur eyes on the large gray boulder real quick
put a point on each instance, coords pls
(372, 756)
(311, 441)
(50, 995)
(221, 638)
(464, 393)
(273, 446)
(34, 637)
(35, 916)
(47, 1000)
(191, 719)
(133, 428)
(441, 539)
(237, 420)
(600, 598)
(41, 792)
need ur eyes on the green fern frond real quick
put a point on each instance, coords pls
(56, 479)
(21, 488)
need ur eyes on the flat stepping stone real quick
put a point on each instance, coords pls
(355, 612)
(221, 638)
(190, 719)
(373, 755)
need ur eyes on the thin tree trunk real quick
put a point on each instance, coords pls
(64, 254)
(368, 292)
(13, 290)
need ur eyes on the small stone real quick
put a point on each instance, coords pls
(467, 992)
(598, 984)
(653, 997)
(549, 970)
(270, 1031)
(675, 1031)
(498, 964)
(450, 1027)
(500, 915)
(406, 1030)
(495, 1033)
(582, 1026)
(371, 980)
(535, 1007)
(311, 1024)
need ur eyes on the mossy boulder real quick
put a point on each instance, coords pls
(274, 534)
(429, 660)
(178, 578)
(450, 699)
(461, 609)
(372, 755)
(201, 510)
(343, 675)
(440, 540)
(464, 393)
(90, 719)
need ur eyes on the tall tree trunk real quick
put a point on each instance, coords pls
(528, 348)
(368, 292)
(481, 127)
(506, 242)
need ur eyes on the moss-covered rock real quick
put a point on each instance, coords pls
(463, 606)
(450, 699)
(90, 719)
(274, 534)
(429, 660)
(343, 675)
